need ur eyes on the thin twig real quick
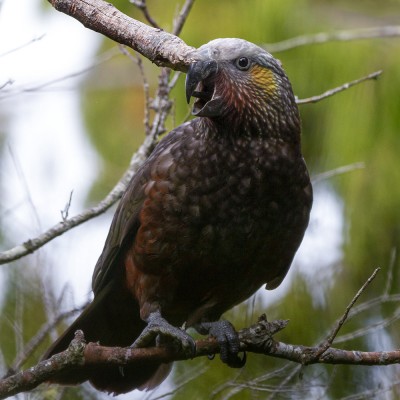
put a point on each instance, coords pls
(368, 329)
(161, 103)
(345, 86)
(113, 196)
(35, 39)
(376, 302)
(327, 343)
(184, 380)
(24, 183)
(236, 387)
(337, 171)
(295, 371)
(65, 212)
(342, 36)
(181, 18)
(389, 280)
(7, 83)
(18, 321)
(141, 4)
(32, 345)
(107, 55)
(146, 88)
(354, 311)
(374, 393)
(174, 80)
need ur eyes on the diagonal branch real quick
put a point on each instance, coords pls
(314, 99)
(104, 18)
(33, 244)
(160, 47)
(327, 343)
(141, 4)
(181, 18)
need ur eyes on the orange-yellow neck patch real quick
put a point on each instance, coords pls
(264, 78)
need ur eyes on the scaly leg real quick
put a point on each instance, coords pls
(158, 331)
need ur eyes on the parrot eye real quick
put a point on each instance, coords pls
(243, 63)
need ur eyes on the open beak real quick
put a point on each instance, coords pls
(200, 83)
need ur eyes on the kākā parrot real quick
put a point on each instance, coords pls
(218, 209)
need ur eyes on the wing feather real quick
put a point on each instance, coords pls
(126, 218)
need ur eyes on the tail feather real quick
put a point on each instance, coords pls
(112, 319)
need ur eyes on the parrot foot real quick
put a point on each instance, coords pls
(228, 340)
(160, 332)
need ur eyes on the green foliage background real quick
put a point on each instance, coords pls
(361, 124)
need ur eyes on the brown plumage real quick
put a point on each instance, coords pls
(218, 209)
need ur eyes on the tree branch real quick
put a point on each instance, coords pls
(33, 244)
(181, 18)
(314, 99)
(327, 343)
(141, 4)
(337, 171)
(341, 36)
(161, 105)
(257, 339)
(6, 83)
(162, 48)
(32, 345)
(35, 39)
(32, 377)
(146, 87)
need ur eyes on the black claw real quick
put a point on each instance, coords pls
(228, 341)
(237, 362)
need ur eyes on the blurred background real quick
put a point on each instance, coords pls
(71, 116)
